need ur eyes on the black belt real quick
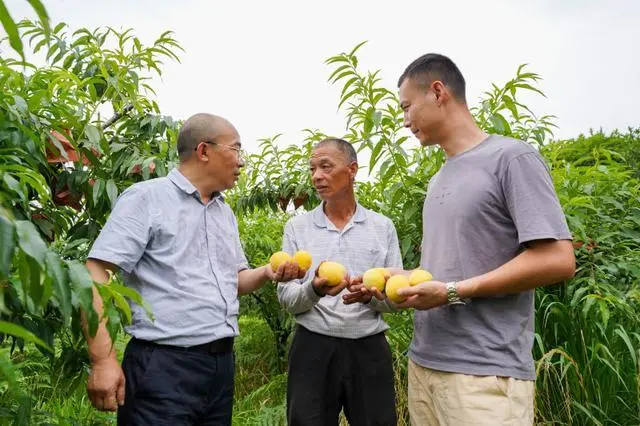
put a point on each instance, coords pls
(220, 346)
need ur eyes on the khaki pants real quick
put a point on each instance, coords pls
(450, 399)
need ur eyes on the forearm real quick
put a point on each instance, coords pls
(538, 266)
(385, 305)
(250, 280)
(100, 346)
(296, 297)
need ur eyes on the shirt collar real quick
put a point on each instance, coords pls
(320, 218)
(186, 186)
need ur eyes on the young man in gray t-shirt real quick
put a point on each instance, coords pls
(493, 231)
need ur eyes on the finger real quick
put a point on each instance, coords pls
(409, 291)
(99, 399)
(295, 270)
(356, 280)
(111, 404)
(366, 292)
(320, 285)
(109, 399)
(409, 302)
(277, 276)
(101, 404)
(120, 393)
(290, 271)
(93, 398)
(356, 288)
(349, 299)
(377, 293)
(355, 296)
(302, 273)
(322, 282)
(337, 289)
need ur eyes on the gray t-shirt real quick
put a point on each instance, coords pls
(481, 209)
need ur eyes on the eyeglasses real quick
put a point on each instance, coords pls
(239, 151)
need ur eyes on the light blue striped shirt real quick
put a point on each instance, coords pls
(181, 255)
(368, 241)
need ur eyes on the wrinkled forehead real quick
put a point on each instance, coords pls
(327, 153)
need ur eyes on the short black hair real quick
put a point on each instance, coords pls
(433, 66)
(345, 147)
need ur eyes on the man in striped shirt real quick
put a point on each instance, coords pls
(339, 357)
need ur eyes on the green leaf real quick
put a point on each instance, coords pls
(93, 134)
(58, 146)
(59, 27)
(7, 245)
(375, 154)
(61, 289)
(358, 46)
(112, 192)
(31, 277)
(14, 185)
(11, 29)
(134, 296)
(529, 87)
(338, 70)
(23, 413)
(620, 331)
(82, 294)
(122, 305)
(21, 333)
(30, 241)
(7, 371)
(79, 275)
(98, 189)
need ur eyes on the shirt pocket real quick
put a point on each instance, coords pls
(370, 252)
(226, 250)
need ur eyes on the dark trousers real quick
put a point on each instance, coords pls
(327, 374)
(173, 386)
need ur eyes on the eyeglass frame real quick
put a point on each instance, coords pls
(239, 152)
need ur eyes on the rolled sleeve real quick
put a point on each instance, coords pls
(126, 234)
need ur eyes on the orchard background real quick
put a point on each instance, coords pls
(80, 128)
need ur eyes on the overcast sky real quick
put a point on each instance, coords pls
(261, 63)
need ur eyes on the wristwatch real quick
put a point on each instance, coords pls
(452, 294)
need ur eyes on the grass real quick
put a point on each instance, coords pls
(61, 399)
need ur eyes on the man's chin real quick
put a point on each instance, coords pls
(426, 142)
(322, 195)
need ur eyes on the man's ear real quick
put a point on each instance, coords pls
(201, 151)
(353, 167)
(440, 91)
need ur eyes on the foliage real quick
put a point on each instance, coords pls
(276, 177)
(61, 169)
(587, 342)
(10, 27)
(588, 339)
(261, 236)
(62, 166)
